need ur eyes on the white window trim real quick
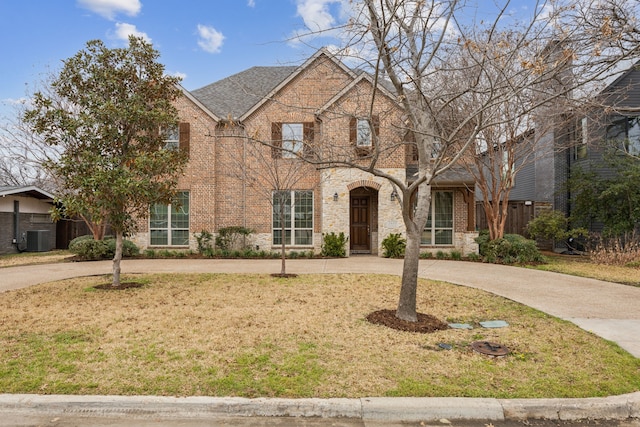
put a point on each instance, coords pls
(433, 222)
(169, 229)
(292, 228)
(363, 133)
(292, 147)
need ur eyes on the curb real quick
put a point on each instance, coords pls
(403, 409)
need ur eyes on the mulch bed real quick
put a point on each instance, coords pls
(425, 324)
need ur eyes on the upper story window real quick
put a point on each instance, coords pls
(363, 138)
(171, 137)
(626, 133)
(291, 140)
(581, 139)
(362, 132)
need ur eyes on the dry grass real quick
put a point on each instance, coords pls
(254, 335)
(30, 258)
(582, 266)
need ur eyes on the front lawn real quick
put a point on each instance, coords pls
(256, 335)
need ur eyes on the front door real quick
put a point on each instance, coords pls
(360, 224)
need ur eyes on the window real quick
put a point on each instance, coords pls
(440, 230)
(171, 138)
(580, 144)
(291, 140)
(297, 217)
(169, 224)
(292, 137)
(363, 138)
(626, 132)
(361, 133)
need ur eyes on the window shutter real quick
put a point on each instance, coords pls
(308, 133)
(276, 140)
(375, 124)
(185, 137)
(353, 131)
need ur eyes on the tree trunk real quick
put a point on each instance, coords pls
(283, 254)
(409, 288)
(116, 260)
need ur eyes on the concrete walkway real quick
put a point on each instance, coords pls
(609, 310)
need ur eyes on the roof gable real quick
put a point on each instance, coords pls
(26, 191)
(362, 77)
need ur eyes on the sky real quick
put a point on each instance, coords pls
(200, 40)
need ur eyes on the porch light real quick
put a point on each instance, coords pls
(394, 195)
(335, 197)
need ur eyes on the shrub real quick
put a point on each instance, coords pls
(621, 250)
(553, 225)
(86, 248)
(426, 255)
(510, 249)
(334, 245)
(456, 255)
(229, 238)
(204, 239)
(394, 245)
(441, 255)
(474, 257)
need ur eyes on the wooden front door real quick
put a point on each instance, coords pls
(360, 224)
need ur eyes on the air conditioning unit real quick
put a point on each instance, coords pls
(37, 240)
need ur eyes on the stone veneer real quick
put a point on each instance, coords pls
(335, 214)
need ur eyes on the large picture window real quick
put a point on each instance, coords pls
(297, 217)
(439, 228)
(169, 224)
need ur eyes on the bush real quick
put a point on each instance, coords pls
(228, 238)
(334, 245)
(553, 225)
(394, 245)
(204, 241)
(510, 249)
(86, 248)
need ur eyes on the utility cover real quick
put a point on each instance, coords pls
(490, 348)
(460, 326)
(494, 324)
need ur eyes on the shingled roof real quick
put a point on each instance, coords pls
(235, 95)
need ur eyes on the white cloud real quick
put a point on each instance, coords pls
(251, 3)
(110, 8)
(123, 31)
(316, 14)
(210, 39)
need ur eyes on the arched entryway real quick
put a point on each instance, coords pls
(363, 218)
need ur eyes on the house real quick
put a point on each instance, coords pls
(578, 141)
(25, 220)
(320, 107)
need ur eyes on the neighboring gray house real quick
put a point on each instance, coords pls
(25, 220)
(580, 142)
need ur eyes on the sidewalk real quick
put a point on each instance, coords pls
(609, 310)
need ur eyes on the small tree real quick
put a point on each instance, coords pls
(113, 163)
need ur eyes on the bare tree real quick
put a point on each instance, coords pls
(264, 170)
(450, 105)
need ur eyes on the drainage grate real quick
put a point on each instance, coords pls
(490, 348)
